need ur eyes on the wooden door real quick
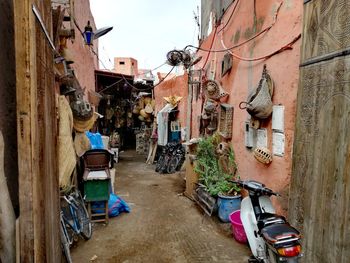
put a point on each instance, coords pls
(37, 131)
(320, 188)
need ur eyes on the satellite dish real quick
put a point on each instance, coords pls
(102, 31)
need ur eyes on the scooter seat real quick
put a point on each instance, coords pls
(280, 233)
(266, 219)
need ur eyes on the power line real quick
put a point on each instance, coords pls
(233, 11)
(246, 41)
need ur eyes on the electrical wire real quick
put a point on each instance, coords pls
(94, 52)
(283, 48)
(151, 70)
(211, 46)
(233, 11)
(242, 43)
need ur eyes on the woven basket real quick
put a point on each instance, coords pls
(263, 155)
(259, 104)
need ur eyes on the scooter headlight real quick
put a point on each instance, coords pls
(289, 251)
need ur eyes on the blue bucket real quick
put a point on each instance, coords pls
(227, 205)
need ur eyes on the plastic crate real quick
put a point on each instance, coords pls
(96, 190)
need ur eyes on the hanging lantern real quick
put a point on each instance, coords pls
(88, 34)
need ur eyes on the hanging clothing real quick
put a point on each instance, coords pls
(162, 123)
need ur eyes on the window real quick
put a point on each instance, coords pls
(121, 62)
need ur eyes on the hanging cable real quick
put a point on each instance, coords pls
(151, 70)
(285, 47)
(242, 43)
(211, 46)
(228, 21)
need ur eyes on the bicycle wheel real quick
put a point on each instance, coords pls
(83, 219)
(159, 163)
(65, 242)
(173, 163)
(164, 165)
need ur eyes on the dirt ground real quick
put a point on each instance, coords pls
(163, 225)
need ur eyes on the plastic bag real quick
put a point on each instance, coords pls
(95, 140)
(116, 205)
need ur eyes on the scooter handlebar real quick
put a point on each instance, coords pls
(255, 187)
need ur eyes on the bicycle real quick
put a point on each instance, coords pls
(75, 221)
(176, 160)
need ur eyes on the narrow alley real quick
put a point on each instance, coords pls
(163, 225)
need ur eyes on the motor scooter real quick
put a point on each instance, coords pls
(271, 238)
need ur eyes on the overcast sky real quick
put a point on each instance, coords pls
(144, 29)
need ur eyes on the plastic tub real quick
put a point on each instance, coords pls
(237, 227)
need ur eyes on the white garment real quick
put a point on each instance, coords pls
(162, 124)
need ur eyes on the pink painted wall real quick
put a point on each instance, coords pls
(85, 61)
(174, 86)
(283, 68)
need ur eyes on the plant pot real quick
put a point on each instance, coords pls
(227, 205)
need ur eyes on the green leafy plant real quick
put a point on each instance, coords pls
(211, 174)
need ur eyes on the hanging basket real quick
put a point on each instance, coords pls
(259, 104)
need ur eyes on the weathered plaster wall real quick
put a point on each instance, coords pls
(174, 86)
(85, 61)
(244, 76)
(8, 98)
(130, 66)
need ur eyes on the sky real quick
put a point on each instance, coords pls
(144, 29)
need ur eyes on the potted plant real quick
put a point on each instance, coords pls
(229, 197)
(215, 170)
(206, 166)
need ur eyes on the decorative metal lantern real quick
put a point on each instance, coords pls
(88, 34)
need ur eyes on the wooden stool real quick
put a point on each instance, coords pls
(97, 191)
(99, 216)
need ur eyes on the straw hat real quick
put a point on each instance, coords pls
(173, 100)
(213, 90)
(141, 102)
(81, 143)
(82, 126)
(144, 114)
(147, 100)
(149, 108)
